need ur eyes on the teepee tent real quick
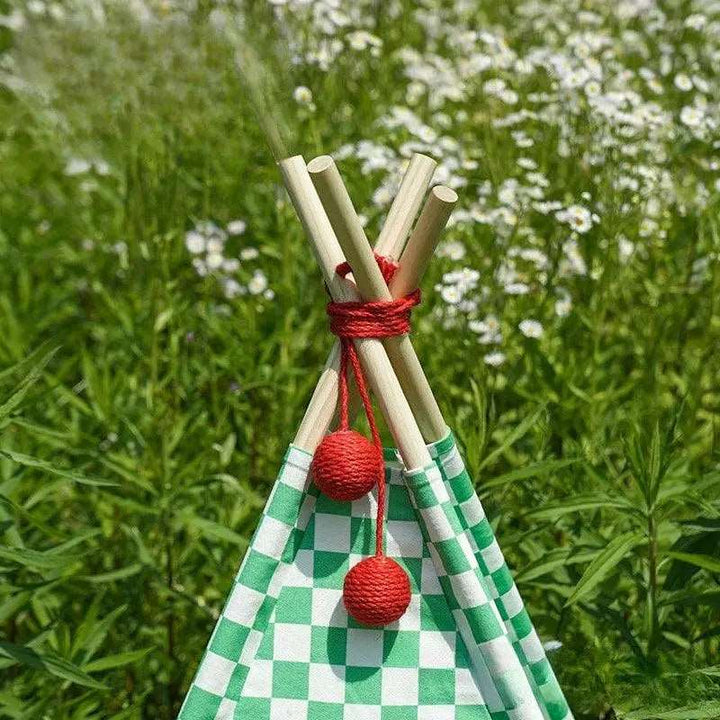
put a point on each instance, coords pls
(285, 645)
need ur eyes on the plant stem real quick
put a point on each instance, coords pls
(653, 624)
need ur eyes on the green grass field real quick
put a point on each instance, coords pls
(162, 321)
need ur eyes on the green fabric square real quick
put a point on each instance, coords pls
(257, 571)
(290, 680)
(401, 648)
(399, 505)
(453, 557)
(483, 623)
(477, 712)
(285, 503)
(308, 538)
(267, 644)
(362, 685)
(422, 491)
(330, 568)
(462, 656)
(322, 711)
(294, 543)
(228, 639)
(448, 591)
(462, 487)
(413, 567)
(435, 613)
(237, 681)
(502, 579)
(362, 536)
(483, 534)
(333, 507)
(248, 707)
(200, 704)
(541, 671)
(399, 712)
(263, 614)
(437, 686)
(328, 645)
(294, 606)
(521, 624)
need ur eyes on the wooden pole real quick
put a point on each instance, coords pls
(372, 286)
(321, 408)
(373, 356)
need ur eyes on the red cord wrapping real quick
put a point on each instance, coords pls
(378, 319)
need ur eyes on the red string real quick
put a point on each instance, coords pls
(378, 319)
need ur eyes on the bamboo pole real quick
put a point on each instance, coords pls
(321, 408)
(372, 286)
(376, 365)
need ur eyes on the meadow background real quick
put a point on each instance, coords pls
(162, 322)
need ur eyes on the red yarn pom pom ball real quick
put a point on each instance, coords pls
(376, 591)
(346, 465)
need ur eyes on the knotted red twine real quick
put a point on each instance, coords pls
(347, 465)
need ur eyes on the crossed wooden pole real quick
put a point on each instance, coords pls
(391, 366)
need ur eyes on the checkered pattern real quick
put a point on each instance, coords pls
(498, 580)
(284, 647)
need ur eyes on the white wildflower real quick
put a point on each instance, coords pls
(692, 116)
(531, 328)
(258, 283)
(214, 260)
(249, 253)
(77, 166)
(215, 245)
(552, 645)
(195, 242)
(494, 359)
(579, 218)
(236, 227)
(302, 95)
(452, 249)
(683, 82)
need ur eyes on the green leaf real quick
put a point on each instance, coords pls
(214, 530)
(529, 471)
(513, 436)
(704, 711)
(114, 661)
(606, 561)
(115, 575)
(18, 395)
(707, 562)
(577, 504)
(28, 461)
(51, 663)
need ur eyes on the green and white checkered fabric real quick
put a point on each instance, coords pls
(499, 582)
(284, 647)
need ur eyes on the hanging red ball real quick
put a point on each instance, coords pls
(346, 465)
(376, 591)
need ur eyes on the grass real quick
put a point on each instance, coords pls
(144, 412)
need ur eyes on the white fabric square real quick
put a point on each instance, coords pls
(215, 673)
(271, 537)
(251, 646)
(364, 647)
(399, 686)
(499, 655)
(327, 683)
(361, 712)
(332, 532)
(532, 647)
(437, 524)
(305, 513)
(411, 619)
(452, 463)
(472, 511)
(403, 539)
(512, 602)
(468, 590)
(300, 573)
(291, 642)
(493, 557)
(466, 689)
(328, 609)
(429, 583)
(294, 476)
(464, 543)
(529, 710)
(243, 604)
(226, 711)
(437, 649)
(364, 507)
(282, 709)
(259, 680)
(436, 712)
